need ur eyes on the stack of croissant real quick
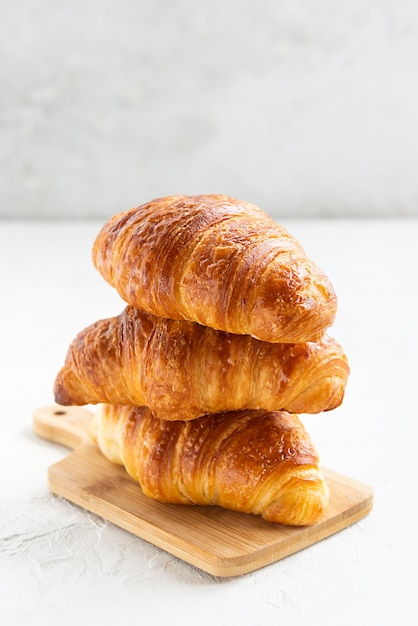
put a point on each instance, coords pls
(222, 343)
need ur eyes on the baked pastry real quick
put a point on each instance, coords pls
(182, 370)
(249, 461)
(217, 261)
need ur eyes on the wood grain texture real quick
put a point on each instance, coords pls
(220, 542)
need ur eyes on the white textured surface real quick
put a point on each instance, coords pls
(62, 565)
(306, 108)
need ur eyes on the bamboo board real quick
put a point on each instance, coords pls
(220, 542)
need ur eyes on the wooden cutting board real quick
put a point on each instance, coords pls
(220, 542)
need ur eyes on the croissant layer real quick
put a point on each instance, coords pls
(183, 370)
(217, 261)
(255, 462)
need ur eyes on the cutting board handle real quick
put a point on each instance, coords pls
(67, 425)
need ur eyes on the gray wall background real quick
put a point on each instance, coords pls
(305, 108)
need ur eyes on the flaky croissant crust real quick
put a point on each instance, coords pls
(182, 370)
(217, 261)
(254, 462)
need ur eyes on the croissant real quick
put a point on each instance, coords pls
(249, 461)
(182, 370)
(217, 261)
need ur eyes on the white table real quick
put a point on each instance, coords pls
(62, 565)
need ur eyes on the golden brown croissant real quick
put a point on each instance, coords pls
(218, 261)
(182, 370)
(248, 461)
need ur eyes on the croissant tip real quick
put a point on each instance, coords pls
(62, 389)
